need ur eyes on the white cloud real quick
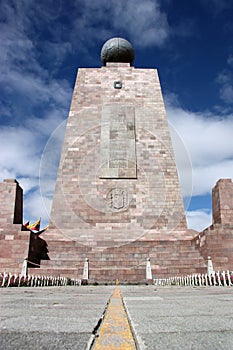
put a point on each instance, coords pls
(31, 98)
(224, 79)
(22, 75)
(208, 140)
(230, 60)
(142, 20)
(205, 177)
(56, 51)
(226, 93)
(19, 152)
(36, 207)
(135, 18)
(17, 47)
(28, 183)
(199, 219)
(203, 147)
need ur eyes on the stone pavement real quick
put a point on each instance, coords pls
(160, 317)
(181, 317)
(50, 318)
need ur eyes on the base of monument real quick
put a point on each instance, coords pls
(127, 263)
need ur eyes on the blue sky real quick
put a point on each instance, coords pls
(43, 43)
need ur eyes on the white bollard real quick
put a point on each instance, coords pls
(210, 269)
(214, 279)
(210, 280)
(9, 279)
(224, 279)
(193, 280)
(24, 271)
(189, 280)
(86, 269)
(229, 278)
(206, 280)
(15, 278)
(4, 279)
(218, 280)
(32, 281)
(203, 279)
(148, 270)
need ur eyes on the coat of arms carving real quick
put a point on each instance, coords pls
(117, 199)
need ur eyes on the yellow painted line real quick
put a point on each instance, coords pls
(115, 332)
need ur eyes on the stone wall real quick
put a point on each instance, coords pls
(11, 202)
(117, 180)
(216, 241)
(14, 242)
(222, 202)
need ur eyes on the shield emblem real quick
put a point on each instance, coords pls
(117, 198)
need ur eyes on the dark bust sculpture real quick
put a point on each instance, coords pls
(117, 50)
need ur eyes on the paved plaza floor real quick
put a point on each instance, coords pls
(160, 317)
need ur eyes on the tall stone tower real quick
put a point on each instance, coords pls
(117, 199)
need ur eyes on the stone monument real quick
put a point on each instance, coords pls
(117, 203)
(117, 195)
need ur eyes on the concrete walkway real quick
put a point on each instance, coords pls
(181, 317)
(115, 331)
(161, 318)
(50, 318)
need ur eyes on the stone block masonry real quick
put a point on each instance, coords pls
(222, 202)
(117, 200)
(14, 242)
(11, 199)
(217, 240)
(117, 180)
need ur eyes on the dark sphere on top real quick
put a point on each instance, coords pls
(117, 50)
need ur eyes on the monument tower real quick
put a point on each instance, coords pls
(117, 197)
(117, 203)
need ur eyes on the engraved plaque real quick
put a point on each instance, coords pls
(118, 154)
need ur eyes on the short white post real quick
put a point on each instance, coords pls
(214, 279)
(32, 281)
(148, 270)
(9, 279)
(229, 278)
(193, 280)
(4, 279)
(224, 278)
(218, 278)
(206, 279)
(24, 271)
(86, 269)
(210, 268)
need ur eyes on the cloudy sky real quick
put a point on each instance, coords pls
(43, 43)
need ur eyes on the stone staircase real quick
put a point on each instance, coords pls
(127, 263)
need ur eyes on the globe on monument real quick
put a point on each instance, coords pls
(117, 50)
